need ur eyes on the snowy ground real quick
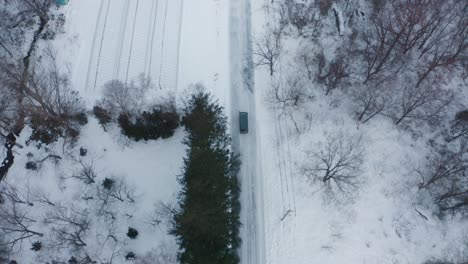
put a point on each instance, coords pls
(121, 39)
(151, 168)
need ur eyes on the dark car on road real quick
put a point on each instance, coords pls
(244, 122)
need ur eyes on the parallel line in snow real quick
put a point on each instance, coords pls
(154, 11)
(123, 26)
(162, 46)
(131, 41)
(102, 42)
(93, 45)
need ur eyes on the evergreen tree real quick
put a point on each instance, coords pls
(206, 226)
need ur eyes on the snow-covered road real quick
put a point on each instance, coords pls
(135, 37)
(243, 99)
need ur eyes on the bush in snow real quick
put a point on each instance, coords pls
(31, 165)
(108, 183)
(83, 152)
(102, 115)
(36, 246)
(162, 122)
(130, 256)
(132, 233)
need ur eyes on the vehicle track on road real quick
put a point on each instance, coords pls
(243, 98)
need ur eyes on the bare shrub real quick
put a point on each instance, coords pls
(290, 94)
(164, 254)
(117, 97)
(336, 164)
(86, 174)
(127, 98)
(161, 213)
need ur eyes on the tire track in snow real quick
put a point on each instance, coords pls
(123, 26)
(91, 70)
(162, 46)
(243, 99)
(100, 46)
(131, 41)
(154, 12)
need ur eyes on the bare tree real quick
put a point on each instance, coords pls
(16, 225)
(422, 103)
(39, 8)
(336, 164)
(14, 195)
(459, 126)
(306, 60)
(86, 174)
(268, 49)
(69, 226)
(114, 190)
(303, 16)
(335, 74)
(444, 176)
(371, 101)
(380, 53)
(46, 97)
(7, 109)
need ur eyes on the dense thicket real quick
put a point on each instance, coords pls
(207, 222)
(159, 123)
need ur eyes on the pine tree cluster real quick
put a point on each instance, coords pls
(207, 224)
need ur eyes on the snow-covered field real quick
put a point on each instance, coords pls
(121, 40)
(149, 168)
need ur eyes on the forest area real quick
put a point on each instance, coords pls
(371, 102)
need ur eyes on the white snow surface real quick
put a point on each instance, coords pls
(151, 168)
(108, 40)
